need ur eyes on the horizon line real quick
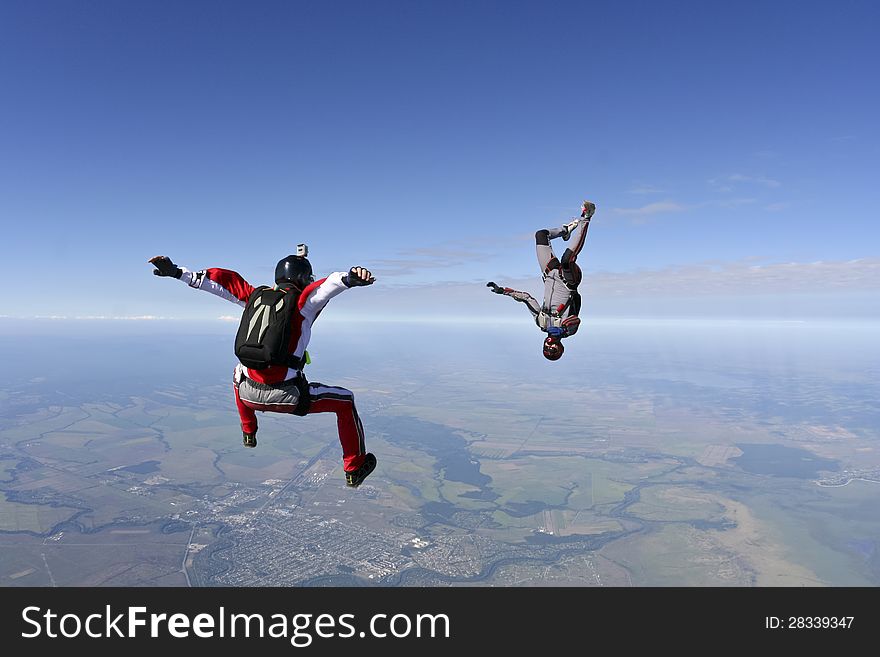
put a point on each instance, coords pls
(446, 320)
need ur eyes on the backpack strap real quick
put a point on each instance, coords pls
(305, 398)
(574, 302)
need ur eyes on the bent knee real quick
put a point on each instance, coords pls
(542, 237)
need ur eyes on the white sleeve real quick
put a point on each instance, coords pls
(318, 298)
(200, 281)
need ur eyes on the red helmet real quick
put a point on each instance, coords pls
(553, 348)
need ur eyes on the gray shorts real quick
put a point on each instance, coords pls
(281, 397)
(277, 396)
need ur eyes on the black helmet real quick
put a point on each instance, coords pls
(294, 270)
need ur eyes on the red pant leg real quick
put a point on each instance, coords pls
(245, 413)
(351, 431)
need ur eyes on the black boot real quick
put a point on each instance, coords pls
(354, 478)
(249, 439)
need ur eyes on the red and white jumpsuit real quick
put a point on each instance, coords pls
(231, 286)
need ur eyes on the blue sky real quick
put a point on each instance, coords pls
(731, 149)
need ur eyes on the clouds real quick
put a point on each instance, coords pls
(450, 254)
(740, 278)
(748, 287)
(659, 207)
(418, 259)
(669, 206)
(753, 188)
(115, 318)
(756, 183)
(729, 182)
(645, 189)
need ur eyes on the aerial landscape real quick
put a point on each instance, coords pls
(677, 467)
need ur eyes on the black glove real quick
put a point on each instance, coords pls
(164, 267)
(495, 288)
(357, 276)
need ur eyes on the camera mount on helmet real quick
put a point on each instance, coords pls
(295, 270)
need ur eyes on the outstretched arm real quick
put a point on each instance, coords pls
(315, 296)
(223, 283)
(523, 297)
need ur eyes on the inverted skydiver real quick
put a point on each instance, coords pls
(272, 339)
(558, 314)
